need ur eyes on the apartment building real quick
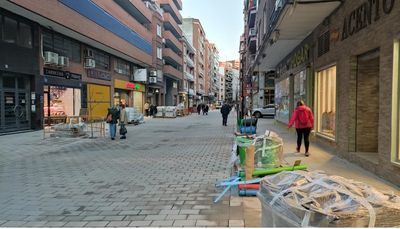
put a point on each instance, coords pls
(80, 57)
(195, 33)
(189, 53)
(230, 80)
(212, 65)
(323, 53)
(172, 52)
(156, 88)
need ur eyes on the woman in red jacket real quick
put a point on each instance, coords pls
(304, 123)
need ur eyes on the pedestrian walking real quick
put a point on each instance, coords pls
(205, 109)
(225, 110)
(198, 109)
(303, 119)
(123, 121)
(146, 109)
(112, 120)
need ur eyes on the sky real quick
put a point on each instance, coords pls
(222, 21)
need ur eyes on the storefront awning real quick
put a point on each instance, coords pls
(294, 22)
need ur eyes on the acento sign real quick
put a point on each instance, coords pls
(370, 11)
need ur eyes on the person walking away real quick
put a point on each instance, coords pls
(123, 121)
(146, 108)
(112, 120)
(225, 109)
(198, 109)
(303, 119)
(206, 108)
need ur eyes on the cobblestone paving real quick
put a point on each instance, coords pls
(163, 175)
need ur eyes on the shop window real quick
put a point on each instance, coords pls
(102, 60)
(282, 100)
(299, 87)
(326, 102)
(121, 67)
(62, 102)
(25, 35)
(64, 46)
(395, 139)
(10, 30)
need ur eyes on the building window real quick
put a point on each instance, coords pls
(159, 53)
(326, 102)
(121, 67)
(61, 45)
(10, 30)
(323, 43)
(102, 60)
(25, 35)
(159, 30)
(395, 142)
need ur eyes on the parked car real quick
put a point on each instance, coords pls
(268, 110)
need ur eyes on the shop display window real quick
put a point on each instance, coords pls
(326, 102)
(61, 102)
(282, 100)
(121, 97)
(395, 144)
(299, 87)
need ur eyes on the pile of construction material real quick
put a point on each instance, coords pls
(315, 199)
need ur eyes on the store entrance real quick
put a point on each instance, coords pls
(367, 107)
(15, 111)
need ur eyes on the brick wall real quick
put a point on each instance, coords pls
(379, 34)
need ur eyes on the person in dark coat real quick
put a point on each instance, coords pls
(225, 109)
(205, 109)
(112, 119)
(199, 109)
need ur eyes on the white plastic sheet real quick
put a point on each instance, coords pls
(300, 198)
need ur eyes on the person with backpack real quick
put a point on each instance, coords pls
(303, 119)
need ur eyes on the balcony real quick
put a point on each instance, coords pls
(171, 8)
(172, 72)
(171, 41)
(189, 61)
(191, 92)
(201, 91)
(189, 76)
(137, 9)
(252, 16)
(172, 57)
(296, 22)
(171, 25)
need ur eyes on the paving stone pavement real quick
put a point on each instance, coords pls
(162, 175)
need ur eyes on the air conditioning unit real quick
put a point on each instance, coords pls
(153, 79)
(63, 61)
(153, 73)
(89, 53)
(90, 63)
(50, 58)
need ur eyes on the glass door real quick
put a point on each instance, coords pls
(15, 102)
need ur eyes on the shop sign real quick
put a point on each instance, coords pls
(96, 74)
(63, 74)
(300, 57)
(122, 84)
(367, 13)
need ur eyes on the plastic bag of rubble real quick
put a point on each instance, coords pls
(298, 198)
